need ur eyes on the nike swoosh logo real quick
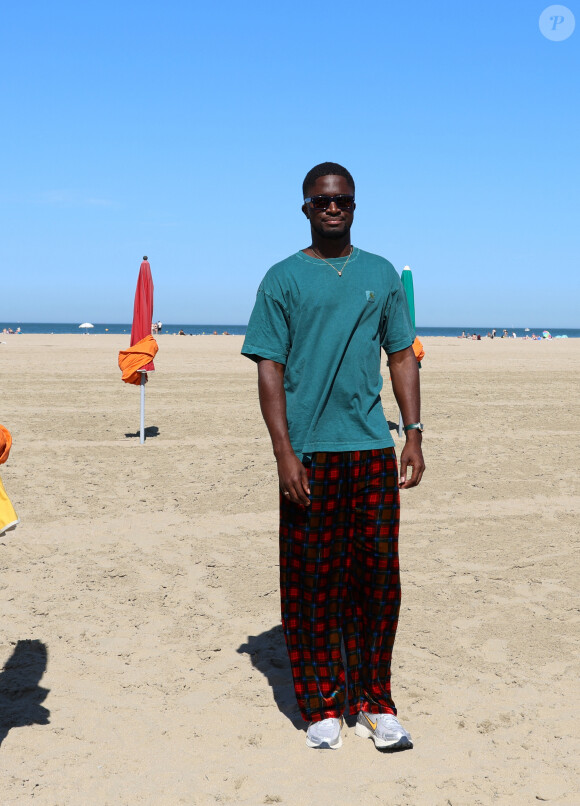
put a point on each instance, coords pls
(372, 724)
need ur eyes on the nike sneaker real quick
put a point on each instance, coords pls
(325, 734)
(385, 730)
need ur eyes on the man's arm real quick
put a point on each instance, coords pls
(291, 472)
(405, 378)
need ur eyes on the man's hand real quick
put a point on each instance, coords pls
(412, 456)
(405, 379)
(293, 479)
(291, 472)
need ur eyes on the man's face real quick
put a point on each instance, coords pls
(333, 222)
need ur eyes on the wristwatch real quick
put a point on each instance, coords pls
(412, 426)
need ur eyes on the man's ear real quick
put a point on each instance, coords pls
(306, 210)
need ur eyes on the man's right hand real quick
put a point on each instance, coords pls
(291, 472)
(293, 479)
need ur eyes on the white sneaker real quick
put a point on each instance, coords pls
(325, 734)
(385, 730)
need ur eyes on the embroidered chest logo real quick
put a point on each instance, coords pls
(370, 296)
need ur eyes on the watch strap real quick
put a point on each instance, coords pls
(413, 426)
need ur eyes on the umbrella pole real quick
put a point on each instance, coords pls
(142, 432)
(400, 424)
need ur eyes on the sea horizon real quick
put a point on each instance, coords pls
(240, 330)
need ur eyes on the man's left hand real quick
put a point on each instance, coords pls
(412, 456)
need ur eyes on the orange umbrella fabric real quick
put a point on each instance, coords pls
(137, 357)
(418, 349)
(8, 517)
(5, 444)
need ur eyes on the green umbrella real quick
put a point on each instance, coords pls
(407, 281)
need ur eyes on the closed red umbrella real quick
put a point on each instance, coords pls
(137, 361)
(143, 310)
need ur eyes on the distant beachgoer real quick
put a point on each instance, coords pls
(493, 332)
(462, 335)
(181, 333)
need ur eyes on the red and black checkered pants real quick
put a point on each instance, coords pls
(339, 579)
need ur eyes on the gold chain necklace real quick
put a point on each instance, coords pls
(330, 264)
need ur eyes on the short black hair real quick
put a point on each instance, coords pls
(325, 169)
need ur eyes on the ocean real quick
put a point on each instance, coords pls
(240, 330)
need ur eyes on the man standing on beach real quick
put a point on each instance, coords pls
(320, 319)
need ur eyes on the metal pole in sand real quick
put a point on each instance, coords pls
(142, 432)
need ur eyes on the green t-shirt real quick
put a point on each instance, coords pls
(328, 332)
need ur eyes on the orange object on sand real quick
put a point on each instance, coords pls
(5, 444)
(8, 517)
(418, 349)
(136, 357)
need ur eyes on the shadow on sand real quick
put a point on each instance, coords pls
(150, 431)
(269, 656)
(20, 694)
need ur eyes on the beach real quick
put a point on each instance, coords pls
(148, 574)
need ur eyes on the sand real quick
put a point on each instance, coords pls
(141, 629)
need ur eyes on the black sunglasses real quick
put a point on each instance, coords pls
(344, 201)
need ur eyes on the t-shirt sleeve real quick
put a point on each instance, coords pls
(397, 331)
(268, 334)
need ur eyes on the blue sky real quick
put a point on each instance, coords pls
(184, 131)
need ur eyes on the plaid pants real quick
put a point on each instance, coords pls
(339, 579)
